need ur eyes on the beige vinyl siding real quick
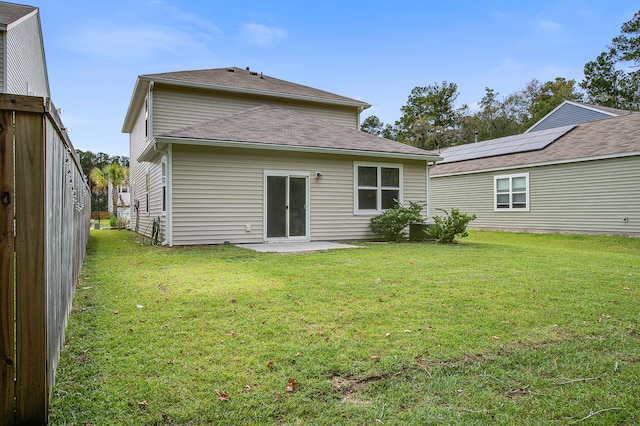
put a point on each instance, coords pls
(585, 197)
(137, 180)
(177, 107)
(216, 192)
(26, 68)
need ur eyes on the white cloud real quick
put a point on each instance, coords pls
(508, 65)
(137, 42)
(261, 35)
(548, 26)
(179, 16)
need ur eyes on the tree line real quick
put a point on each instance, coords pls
(430, 120)
(101, 168)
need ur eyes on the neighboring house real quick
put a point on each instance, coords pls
(569, 112)
(123, 203)
(233, 155)
(23, 68)
(578, 178)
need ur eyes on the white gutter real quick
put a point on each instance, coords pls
(291, 148)
(548, 163)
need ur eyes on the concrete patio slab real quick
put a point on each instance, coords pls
(295, 247)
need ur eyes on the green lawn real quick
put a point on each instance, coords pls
(500, 329)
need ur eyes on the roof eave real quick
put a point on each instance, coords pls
(169, 81)
(290, 148)
(538, 164)
(137, 98)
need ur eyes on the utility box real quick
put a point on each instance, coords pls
(417, 232)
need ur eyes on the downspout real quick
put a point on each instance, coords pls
(429, 165)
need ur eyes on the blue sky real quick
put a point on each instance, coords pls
(375, 51)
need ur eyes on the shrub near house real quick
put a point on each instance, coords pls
(391, 224)
(451, 227)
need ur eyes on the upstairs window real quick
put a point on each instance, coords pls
(377, 187)
(146, 117)
(511, 192)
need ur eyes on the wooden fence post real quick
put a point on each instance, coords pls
(7, 336)
(44, 225)
(32, 389)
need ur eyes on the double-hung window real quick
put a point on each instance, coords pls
(164, 183)
(146, 192)
(511, 192)
(377, 186)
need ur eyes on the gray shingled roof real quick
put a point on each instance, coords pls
(611, 110)
(239, 79)
(273, 126)
(608, 137)
(11, 12)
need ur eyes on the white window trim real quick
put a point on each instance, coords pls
(356, 164)
(495, 193)
(147, 192)
(287, 173)
(163, 185)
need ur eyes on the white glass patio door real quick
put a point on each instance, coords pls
(287, 215)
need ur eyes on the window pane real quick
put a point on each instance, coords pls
(367, 199)
(367, 176)
(502, 185)
(388, 198)
(390, 177)
(519, 184)
(297, 207)
(276, 206)
(503, 201)
(519, 200)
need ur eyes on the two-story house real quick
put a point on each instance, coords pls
(23, 68)
(233, 155)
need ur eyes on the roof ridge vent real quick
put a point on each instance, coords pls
(231, 70)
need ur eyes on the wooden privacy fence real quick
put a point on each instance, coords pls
(44, 227)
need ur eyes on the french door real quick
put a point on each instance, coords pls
(286, 206)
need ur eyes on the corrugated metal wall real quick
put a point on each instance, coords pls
(591, 197)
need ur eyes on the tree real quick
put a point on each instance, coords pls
(550, 95)
(607, 85)
(374, 126)
(496, 117)
(627, 45)
(89, 161)
(100, 184)
(428, 114)
(117, 175)
(603, 83)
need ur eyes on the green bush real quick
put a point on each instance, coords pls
(113, 221)
(450, 228)
(391, 224)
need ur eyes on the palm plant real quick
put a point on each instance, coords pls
(100, 184)
(117, 175)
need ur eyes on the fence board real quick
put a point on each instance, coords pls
(44, 228)
(32, 397)
(6, 271)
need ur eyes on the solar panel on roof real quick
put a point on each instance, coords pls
(532, 141)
